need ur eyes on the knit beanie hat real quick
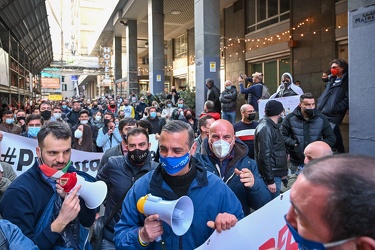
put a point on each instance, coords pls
(273, 108)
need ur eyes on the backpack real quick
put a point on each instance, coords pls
(265, 92)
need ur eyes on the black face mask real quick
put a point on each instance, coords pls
(310, 112)
(286, 83)
(138, 156)
(20, 118)
(113, 106)
(189, 117)
(46, 114)
(95, 106)
(251, 117)
(325, 79)
(106, 121)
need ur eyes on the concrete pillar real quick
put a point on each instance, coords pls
(118, 63)
(131, 56)
(361, 27)
(156, 46)
(207, 47)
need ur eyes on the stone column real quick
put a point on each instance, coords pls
(131, 56)
(207, 47)
(118, 63)
(361, 27)
(156, 46)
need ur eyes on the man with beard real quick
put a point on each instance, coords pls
(39, 206)
(301, 127)
(246, 127)
(120, 173)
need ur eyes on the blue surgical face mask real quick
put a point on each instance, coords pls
(63, 106)
(306, 244)
(228, 87)
(153, 114)
(33, 131)
(180, 105)
(173, 165)
(9, 121)
(169, 105)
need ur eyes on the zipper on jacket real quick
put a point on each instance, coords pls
(180, 241)
(218, 170)
(230, 177)
(162, 242)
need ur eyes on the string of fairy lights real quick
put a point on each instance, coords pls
(280, 37)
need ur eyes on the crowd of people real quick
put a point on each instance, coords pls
(227, 168)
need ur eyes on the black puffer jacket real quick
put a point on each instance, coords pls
(334, 101)
(119, 174)
(270, 151)
(228, 99)
(297, 130)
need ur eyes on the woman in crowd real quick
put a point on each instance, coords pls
(83, 139)
(189, 117)
(97, 119)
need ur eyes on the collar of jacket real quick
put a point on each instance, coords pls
(267, 119)
(158, 186)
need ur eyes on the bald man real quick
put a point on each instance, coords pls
(226, 156)
(333, 204)
(314, 150)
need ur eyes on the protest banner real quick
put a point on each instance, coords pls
(263, 229)
(19, 152)
(289, 104)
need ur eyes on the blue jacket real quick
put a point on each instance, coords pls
(11, 237)
(106, 141)
(256, 93)
(256, 196)
(25, 201)
(210, 197)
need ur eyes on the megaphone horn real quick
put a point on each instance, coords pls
(93, 193)
(178, 214)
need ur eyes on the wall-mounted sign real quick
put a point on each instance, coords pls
(50, 83)
(212, 66)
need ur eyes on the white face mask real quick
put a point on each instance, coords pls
(220, 148)
(98, 117)
(78, 134)
(84, 121)
(57, 115)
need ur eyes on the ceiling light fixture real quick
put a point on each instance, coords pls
(175, 12)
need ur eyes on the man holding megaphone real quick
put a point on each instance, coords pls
(178, 175)
(39, 206)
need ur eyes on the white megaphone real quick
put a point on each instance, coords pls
(177, 213)
(93, 193)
